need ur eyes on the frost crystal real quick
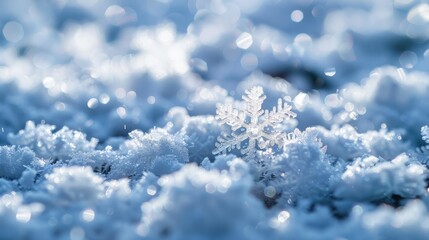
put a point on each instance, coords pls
(252, 129)
(425, 134)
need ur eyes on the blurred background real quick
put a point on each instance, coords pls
(106, 67)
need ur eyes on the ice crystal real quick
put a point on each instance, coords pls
(253, 128)
(425, 134)
(422, 153)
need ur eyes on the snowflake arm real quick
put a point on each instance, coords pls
(226, 114)
(227, 143)
(250, 151)
(254, 99)
(279, 114)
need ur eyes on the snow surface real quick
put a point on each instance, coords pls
(214, 119)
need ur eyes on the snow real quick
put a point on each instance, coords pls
(217, 119)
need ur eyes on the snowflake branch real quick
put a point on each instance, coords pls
(279, 114)
(254, 99)
(232, 117)
(227, 143)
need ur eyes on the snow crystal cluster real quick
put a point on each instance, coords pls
(214, 119)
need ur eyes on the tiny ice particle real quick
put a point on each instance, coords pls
(120, 93)
(244, 41)
(330, 72)
(297, 16)
(23, 214)
(301, 100)
(151, 190)
(210, 188)
(49, 82)
(419, 15)
(151, 100)
(13, 31)
(104, 98)
(283, 216)
(122, 112)
(60, 106)
(88, 215)
(408, 59)
(92, 103)
(270, 191)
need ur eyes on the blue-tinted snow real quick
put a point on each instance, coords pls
(107, 119)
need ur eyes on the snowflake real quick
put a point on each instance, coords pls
(252, 129)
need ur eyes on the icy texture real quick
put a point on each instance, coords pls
(62, 144)
(374, 98)
(371, 179)
(111, 111)
(200, 137)
(175, 213)
(346, 143)
(303, 170)
(157, 151)
(14, 160)
(388, 223)
(71, 184)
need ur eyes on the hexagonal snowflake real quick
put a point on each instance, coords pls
(253, 129)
